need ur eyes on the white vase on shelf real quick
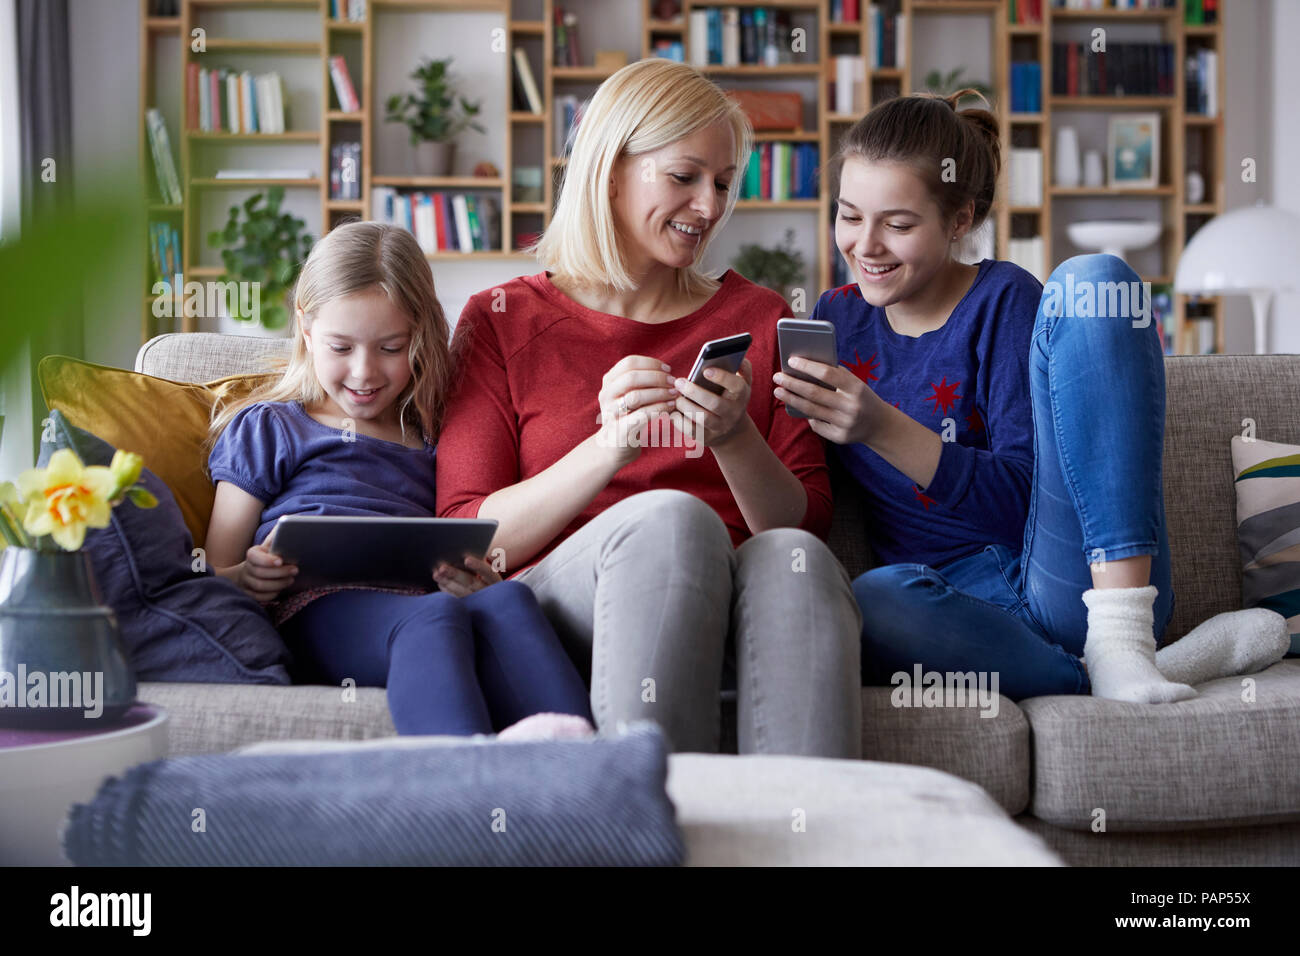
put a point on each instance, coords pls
(1067, 157)
(1094, 175)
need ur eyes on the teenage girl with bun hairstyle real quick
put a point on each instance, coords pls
(1007, 443)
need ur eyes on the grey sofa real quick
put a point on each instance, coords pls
(1210, 781)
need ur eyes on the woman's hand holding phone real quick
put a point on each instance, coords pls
(845, 415)
(632, 392)
(712, 419)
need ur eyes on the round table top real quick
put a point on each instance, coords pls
(139, 718)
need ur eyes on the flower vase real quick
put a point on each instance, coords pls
(436, 159)
(62, 661)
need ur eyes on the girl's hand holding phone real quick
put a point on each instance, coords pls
(462, 582)
(713, 419)
(632, 392)
(263, 574)
(845, 415)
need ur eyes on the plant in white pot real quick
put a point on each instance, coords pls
(262, 249)
(435, 114)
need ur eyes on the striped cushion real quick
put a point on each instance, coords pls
(1268, 527)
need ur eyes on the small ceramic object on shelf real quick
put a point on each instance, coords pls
(1094, 175)
(1067, 157)
(1195, 187)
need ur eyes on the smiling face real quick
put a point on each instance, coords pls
(665, 202)
(359, 348)
(891, 231)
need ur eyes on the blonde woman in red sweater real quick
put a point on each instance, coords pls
(653, 562)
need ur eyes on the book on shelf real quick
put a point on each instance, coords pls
(888, 36)
(1201, 76)
(1025, 177)
(441, 221)
(164, 251)
(164, 165)
(1029, 255)
(345, 171)
(344, 91)
(164, 8)
(670, 50)
(845, 11)
(1026, 87)
(1124, 69)
(730, 36)
(568, 116)
(527, 96)
(781, 170)
(264, 174)
(1118, 4)
(566, 38)
(1025, 11)
(353, 11)
(225, 101)
(850, 85)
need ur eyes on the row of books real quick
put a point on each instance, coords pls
(1025, 11)
(1025, 177)
(1030, 254)
(781, 171)
(888, 37)
(527, 96)
(1115, 4)
(567, 52)
(568, 114)
(1026, 87)
(729, 36)
(1125, 69)
(164, 250)
(345, 171)
(346, 93)
(164, 165)
(1202, 82)
(845, 11)
(440, 221)
(353, 11)
(1199, 12)
(222, 100)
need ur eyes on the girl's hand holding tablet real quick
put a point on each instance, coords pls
(263, 574)
(462, 582)
(846, 415)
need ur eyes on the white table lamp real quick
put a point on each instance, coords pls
(1255, 250)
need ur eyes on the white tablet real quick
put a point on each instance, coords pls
(394, 552)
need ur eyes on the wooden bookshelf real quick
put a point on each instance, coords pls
(534, 32)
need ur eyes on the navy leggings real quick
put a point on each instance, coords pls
(452, 665)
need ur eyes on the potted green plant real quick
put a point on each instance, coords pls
(265, 247)
(946, 84)
(435, 115)
(780, 268)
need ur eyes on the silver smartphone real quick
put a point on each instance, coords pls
(806, 338)
(726, 353)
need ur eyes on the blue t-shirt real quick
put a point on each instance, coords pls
(294, 465)
(968, 381)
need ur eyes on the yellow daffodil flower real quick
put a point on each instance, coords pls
(66, 498)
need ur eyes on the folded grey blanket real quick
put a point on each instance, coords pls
(544, 803)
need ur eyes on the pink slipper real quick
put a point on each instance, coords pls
(549, 727)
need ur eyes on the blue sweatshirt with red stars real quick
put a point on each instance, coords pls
(968, 381)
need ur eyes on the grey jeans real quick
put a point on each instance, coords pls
(645, 595)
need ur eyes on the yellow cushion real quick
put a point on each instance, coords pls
(164, 422)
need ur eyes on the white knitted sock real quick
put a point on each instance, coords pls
(548, 726)
(1120, 650)
(1235, 642)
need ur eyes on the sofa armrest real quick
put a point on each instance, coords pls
(205, 356)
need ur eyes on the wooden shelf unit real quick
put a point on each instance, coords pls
(536, 37)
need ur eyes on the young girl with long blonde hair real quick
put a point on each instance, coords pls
(348, 429)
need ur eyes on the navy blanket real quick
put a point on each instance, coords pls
(546, 803)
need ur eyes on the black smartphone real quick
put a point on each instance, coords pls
(806, 338)
(726, 353)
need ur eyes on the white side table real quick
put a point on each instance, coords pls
(44, 772)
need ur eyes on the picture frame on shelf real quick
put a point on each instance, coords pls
(1133, 151)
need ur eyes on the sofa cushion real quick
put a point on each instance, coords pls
(1213, 761)
(1208, 398)
(1268, 527)
(215, 718)
(990, 751)
(177, 623)
(813, 811)
(164, 422)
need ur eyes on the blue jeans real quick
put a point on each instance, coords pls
(451, 665)
(1097, 389)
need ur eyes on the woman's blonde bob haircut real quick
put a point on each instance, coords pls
(643, 107)
(354, 257)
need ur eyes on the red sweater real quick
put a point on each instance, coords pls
(525, 395)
